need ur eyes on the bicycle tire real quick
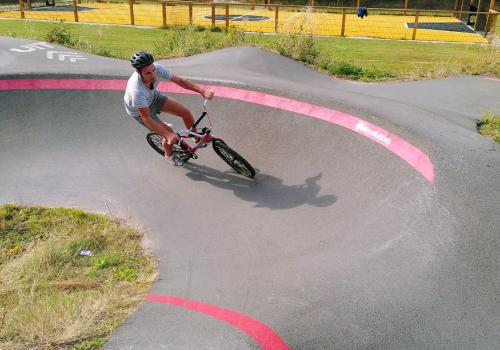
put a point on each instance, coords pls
(156, 142)
(232, 158)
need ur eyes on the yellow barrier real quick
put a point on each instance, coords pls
(402, 24)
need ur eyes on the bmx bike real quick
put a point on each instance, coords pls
(185, 152)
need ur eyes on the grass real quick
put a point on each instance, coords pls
(368, 60)
(489, 126)
(497, 29)
(51, 297)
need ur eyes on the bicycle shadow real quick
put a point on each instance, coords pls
(266, 191)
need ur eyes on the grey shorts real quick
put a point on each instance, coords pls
(155, 108)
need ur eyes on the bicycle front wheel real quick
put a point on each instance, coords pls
(233, 159)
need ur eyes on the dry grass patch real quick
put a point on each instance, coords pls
(51, 297)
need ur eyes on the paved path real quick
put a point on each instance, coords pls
(339, 243)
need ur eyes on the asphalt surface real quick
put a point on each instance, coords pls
(337, 243)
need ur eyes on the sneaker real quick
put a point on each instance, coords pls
(175, 160)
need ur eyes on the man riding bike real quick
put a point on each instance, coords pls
(144, 102)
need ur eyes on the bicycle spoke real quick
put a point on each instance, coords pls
(156, 141)
(233, 159)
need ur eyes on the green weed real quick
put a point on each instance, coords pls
(489, 126)
(93, 344)
(125, 274)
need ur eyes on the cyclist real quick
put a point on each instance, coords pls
(144, 102)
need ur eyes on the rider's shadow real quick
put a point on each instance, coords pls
(267, 191)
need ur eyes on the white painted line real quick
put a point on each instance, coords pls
(31, 47)
(62, 55)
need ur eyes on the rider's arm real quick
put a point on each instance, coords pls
(157, 127)
(186, 84)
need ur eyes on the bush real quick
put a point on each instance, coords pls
(346, 69)
(177, 42)
(102, 51)
(306, 49)
(299, 47)
(59, 34)
(215, 29)
(376, 74)
(352, 71)
(234, 37)
(191, 40)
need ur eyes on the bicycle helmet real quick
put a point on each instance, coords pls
(141, 59)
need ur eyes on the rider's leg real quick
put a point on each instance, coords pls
(175, 108)
(159, 102)
(166, 145)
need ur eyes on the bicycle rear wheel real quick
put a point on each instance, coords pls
(232, 158)
(156, 141)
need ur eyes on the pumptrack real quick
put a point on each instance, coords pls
(372, 222)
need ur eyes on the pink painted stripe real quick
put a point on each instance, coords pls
(412, 155)
(62, 84)
(261, 333)
(491, 78)
(409, 153)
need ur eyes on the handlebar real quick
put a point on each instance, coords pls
(205, 101)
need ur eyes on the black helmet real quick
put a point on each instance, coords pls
(141, 59)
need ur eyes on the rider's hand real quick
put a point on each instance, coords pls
(208, 94)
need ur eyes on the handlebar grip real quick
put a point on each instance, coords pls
(205, 101)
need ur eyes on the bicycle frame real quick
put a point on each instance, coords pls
(204, 138)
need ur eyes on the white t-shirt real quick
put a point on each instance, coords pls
(138, 95)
